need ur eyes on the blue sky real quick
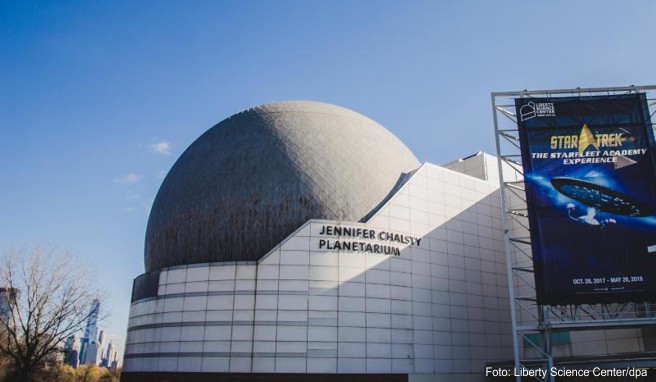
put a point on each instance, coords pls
(98, 99)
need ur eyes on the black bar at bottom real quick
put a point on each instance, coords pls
(258, 377)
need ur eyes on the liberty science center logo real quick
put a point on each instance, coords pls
(540, 109)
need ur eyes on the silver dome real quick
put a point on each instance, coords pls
(254, 178)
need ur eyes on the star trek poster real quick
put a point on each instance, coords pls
(590, 176)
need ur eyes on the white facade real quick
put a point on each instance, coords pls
(93, 353)
(439, 307)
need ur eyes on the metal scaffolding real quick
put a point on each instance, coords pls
(531, 321)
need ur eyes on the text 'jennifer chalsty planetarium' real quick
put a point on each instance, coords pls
(304, 241)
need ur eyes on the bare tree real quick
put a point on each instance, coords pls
(48, 298)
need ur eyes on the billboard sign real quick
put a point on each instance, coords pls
(590, 176)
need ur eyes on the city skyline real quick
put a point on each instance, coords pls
(90, 349)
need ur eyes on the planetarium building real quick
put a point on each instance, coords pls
(303, 241)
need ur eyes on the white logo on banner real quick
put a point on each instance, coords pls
(532, 110)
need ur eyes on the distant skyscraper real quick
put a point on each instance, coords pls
(89, 350)
(109, 354)
(72, 351)
(94, 352)
(114, 364)
(91, 330)
(7, 295)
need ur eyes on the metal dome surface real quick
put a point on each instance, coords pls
(255, 177)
